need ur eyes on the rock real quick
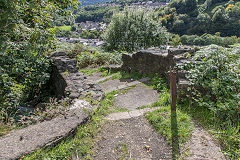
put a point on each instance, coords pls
(74, 95)
(58, 54)
(79, 103)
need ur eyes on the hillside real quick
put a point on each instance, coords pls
(203, 16)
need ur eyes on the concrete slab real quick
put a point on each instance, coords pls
(112, 85)
(118, 116)
(136, 97)
(131, 114)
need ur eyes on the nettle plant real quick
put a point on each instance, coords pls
(214, 74)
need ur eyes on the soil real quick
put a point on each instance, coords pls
(202, 146)
(137, 134)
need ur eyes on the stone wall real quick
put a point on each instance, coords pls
(159, 61)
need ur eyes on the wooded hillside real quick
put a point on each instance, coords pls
(203, 16)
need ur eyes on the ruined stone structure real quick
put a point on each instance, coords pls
(159, 61)
(67, 81)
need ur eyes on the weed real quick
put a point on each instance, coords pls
(7, 120)
(89, 72)
(122, 149)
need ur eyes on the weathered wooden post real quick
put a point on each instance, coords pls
(173, 88)
(174, 125)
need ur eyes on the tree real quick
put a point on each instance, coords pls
(25, 35)
(134, 29)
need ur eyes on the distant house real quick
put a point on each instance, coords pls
(90, 25)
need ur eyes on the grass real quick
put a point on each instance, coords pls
(65, 28)
(164, 99)
(161, 120)
(5, 128)
(122, 149)
(7, 122)
(176, 126)
(89, 72)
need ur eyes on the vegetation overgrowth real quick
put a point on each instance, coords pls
(88, 56)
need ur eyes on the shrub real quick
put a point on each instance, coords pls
(134, 29)
(99, 58)
(215, 75)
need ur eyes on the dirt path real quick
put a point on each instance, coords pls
(132, 138)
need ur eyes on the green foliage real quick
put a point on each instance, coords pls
(94, 13)
(215, 76)
(90, 34)
(175, 41)
(207, 39)
(65, 28)
(134, 29)
(87, 56)
(100, 58)
(24, 38)
(199, 17)
(60, 20)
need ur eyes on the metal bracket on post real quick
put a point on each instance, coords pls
(173, 88)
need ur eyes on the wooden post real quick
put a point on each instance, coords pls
(173, 89)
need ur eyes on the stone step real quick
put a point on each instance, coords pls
(136, 97)
(181, 74)
(130, 114)
(105, 78)
(126, 85)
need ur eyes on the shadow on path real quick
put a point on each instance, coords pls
(175, 140)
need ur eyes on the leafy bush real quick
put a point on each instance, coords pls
(134, 29)
(99, 58)
(215, 75)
